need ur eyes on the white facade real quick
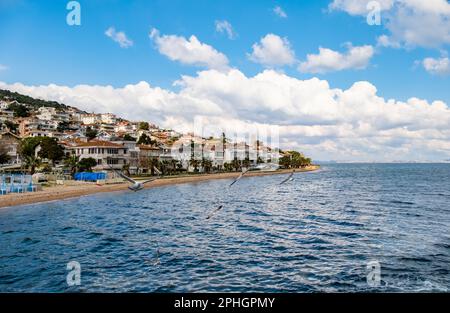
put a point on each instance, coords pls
(105, 153)
(108, 118)
(52, 114)
(90, 119)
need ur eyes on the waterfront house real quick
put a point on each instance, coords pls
(106, 153)
(11, 143)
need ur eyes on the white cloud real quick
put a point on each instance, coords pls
(119, 37)
(358, 7)
(329, 60)
(280, 12)
(272, 51)
(385, 41)
(410, 23)
(439, 66)
(324, 122)
(191, 52)
(225, 27)
(3, 67)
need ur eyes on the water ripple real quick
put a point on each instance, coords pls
(315, 234)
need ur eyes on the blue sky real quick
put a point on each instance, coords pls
(274, 72)
(40, 48)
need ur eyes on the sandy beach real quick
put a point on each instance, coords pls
(83, 189)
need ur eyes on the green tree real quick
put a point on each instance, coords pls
(236, 164)
(28, 146)
(50, 149)
(228, 167)
(31, 162)
(195, 163)
(4, 157)
(63, 126)
(285, 161)
(19, 110)
(128, 137)
(91, 133)
(71, 162)
(10, 125)
(86, 165)
(145, 140)
(207, 165)
(246, 163)
(152, 163)
(144, 126)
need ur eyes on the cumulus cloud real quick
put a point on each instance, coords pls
(119, 37)
(324, 122)
(329, 60)
(358, 7)
(440, 66)
(189, 51)
(410, 23)
(279, 12)
(225, 27)
(272, 51)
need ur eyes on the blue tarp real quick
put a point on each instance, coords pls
(88, 176)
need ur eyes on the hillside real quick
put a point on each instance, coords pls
(35, 103)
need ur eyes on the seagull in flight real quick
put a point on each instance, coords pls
(289, 178)
(135, 185)
(240, 176)
(214, 212)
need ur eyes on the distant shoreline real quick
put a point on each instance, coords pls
(67, 192)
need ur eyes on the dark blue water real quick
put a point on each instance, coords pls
(316, 233)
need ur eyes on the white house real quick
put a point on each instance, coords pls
(106, 153)
(90, 119)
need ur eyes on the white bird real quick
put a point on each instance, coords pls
(136, 186)
(289, 178)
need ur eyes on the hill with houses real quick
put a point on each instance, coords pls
(35, 133)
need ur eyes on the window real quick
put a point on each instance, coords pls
(112, 161)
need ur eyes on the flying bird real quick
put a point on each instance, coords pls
(136, 186)
(289, 178)
(240, 176)
(214, 212)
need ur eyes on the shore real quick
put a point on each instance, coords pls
(83, 189)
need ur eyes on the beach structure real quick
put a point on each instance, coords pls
(16, 183)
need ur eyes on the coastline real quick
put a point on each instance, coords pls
(67, 192)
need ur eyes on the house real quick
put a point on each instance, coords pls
(6, 115)
(108, 118)
(90, 119)
(11, 142)
(52, 114)
(106, 153)
(32, 127)
(4, 105)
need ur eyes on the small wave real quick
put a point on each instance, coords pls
(30, 240)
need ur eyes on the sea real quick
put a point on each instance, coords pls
(343, 228)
